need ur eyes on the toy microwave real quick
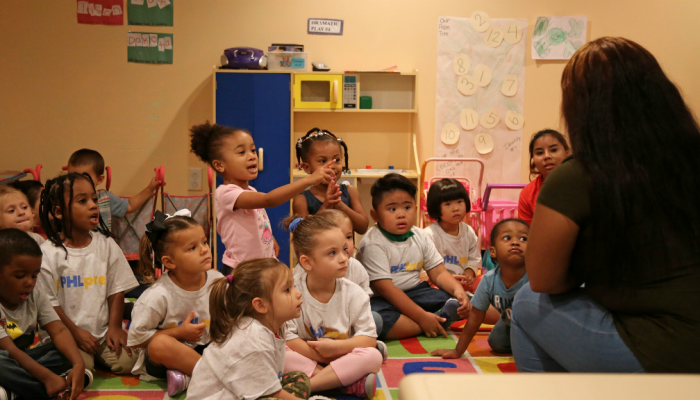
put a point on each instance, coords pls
(318, 91)
(243, 58)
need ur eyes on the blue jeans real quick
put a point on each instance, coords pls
(499, 338)
(566, 333)
(423, 295)
(17, 380)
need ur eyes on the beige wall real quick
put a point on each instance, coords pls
(64, 86)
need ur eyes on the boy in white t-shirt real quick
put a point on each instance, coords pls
(394, 252)
(42, 372)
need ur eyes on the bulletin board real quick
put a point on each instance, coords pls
(478, 117)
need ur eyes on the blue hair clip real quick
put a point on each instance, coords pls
(294, 224)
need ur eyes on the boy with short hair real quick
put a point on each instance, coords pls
(497, 288)
(394, 252)
(91, 162)
(55, 369)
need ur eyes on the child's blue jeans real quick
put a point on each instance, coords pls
(17, 380)
(423, 295)
(566, 332)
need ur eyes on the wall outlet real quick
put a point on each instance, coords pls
(195, 182)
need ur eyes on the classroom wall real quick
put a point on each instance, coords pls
(65, 86)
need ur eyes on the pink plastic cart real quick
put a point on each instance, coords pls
(474, 216)
(496, 210)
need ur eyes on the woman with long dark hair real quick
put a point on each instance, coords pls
(622, 217)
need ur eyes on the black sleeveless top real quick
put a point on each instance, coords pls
(313, 204)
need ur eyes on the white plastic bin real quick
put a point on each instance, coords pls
(287, 60)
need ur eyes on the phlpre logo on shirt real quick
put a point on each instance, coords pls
(77, 281)
(194, 321)
(405, 267)
(323, 332)
(455, 260)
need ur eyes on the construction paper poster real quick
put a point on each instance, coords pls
(150, 12)
(480, 100)
(101, 12)
(150, 48)
(558, 38)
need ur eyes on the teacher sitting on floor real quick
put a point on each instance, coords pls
(621, 216)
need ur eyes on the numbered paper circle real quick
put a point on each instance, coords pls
(483, 143)
(480, 21)
(510, 85)
(512, 33)
(461, 64)
(450, 134)
(469, 119)
(514, 121)
(490, 119)
(482, 75)
(466, 85)
(493, 37)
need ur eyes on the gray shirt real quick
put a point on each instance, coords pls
(21, 324)
(493, 291)
(399, 261)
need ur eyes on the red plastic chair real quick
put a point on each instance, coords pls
(36, 173)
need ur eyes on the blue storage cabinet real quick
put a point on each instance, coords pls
(260, 103)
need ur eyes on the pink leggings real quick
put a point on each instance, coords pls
(350, 368)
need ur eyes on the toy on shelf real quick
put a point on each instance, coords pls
(243, 58)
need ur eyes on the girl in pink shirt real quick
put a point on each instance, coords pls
(242, 221)
(548, 148)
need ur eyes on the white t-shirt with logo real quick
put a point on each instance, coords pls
(346, 315)
(21, 324)
(165, 305)
(249, 365)
(356, 273)
(399, 261)
(459, 252)
(81, 283)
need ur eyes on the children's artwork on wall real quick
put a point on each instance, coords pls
(101, 12)
(150, 12)
(480, 97)
(558, 38)
(150, 48)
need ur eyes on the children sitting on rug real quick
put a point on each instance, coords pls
(497, 288)
(394, 252)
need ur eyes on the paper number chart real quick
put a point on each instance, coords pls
(480, 97)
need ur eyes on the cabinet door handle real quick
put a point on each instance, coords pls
(336, 93)
(260, 159)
